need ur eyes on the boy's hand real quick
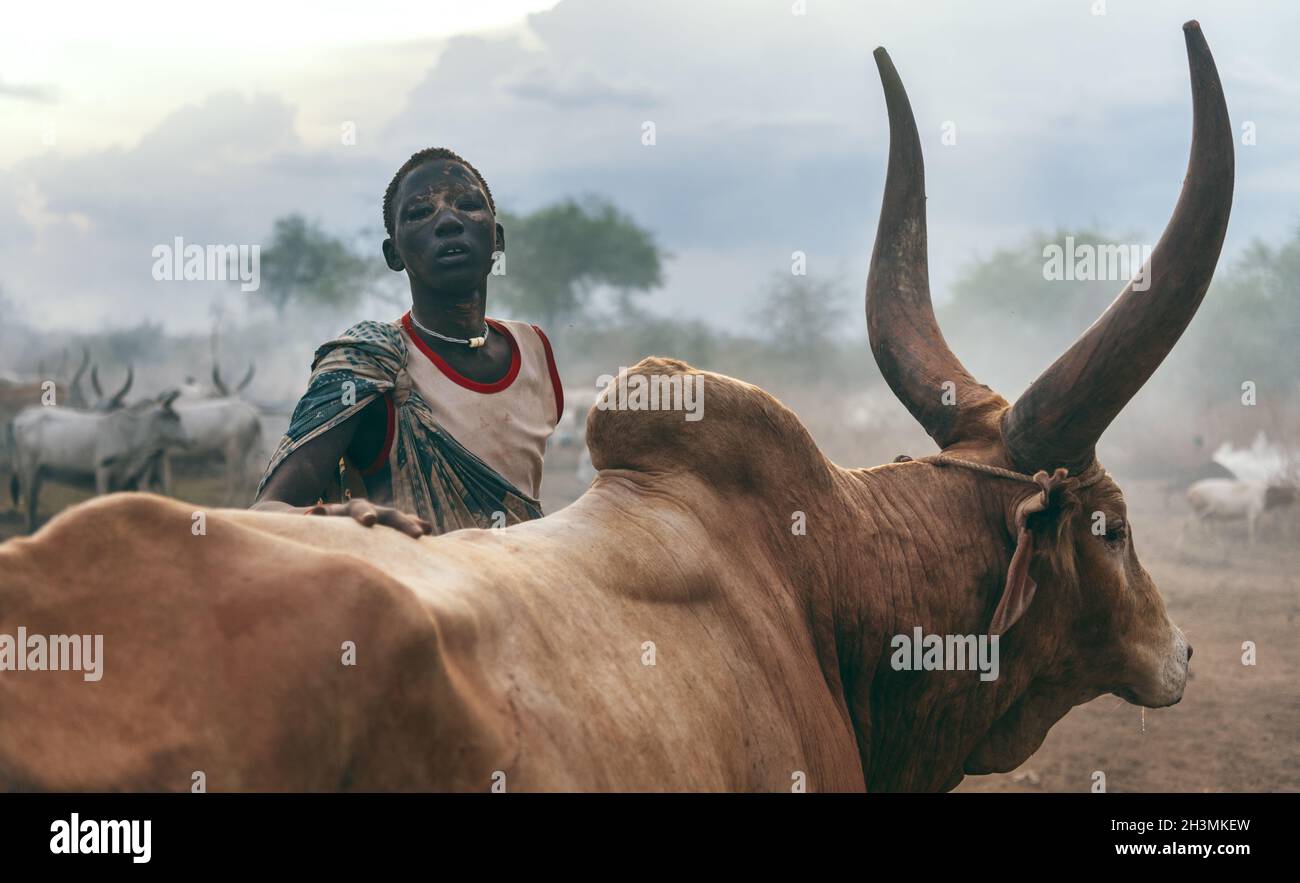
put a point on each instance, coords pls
(368, 514)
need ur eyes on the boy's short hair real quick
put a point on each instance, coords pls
(418, 159)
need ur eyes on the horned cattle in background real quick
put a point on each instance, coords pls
(1263, 479)
(116, 450)
(224, 425)
(1231, 499)
(16, 395)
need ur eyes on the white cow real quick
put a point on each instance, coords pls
(119, 449)
(227, 426)
(1231, 499)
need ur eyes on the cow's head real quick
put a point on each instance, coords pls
(154, 426)
(165, 426)
(131, 439)
(1096, 623)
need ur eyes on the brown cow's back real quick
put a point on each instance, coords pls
(481, 656)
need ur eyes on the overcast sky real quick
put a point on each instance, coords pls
(127, 125)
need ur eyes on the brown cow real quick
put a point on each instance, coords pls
(669, 630)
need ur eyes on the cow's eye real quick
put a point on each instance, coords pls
(1117, 533)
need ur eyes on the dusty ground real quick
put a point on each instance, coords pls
(1238, 726)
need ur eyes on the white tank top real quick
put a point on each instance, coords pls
(506, 423)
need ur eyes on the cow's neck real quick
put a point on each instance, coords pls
(930, 551)
(880, 553)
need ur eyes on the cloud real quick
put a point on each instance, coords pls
(770, 137)
(578, 86)
(77, 232)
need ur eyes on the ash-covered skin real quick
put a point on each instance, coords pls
(444, 236)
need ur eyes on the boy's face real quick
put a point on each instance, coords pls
(444, 231)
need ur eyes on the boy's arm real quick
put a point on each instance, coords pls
(298, 482)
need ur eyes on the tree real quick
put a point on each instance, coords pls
(1243, 330)
(557, 256)
(1007, 323)
(1012, 286)
(1248, 324)
(1011, 301)
(304, 264)
(799, 319)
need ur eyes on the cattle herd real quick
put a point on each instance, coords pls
(53, 431)
(50, 429)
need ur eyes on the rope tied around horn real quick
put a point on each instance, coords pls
(1020, 587)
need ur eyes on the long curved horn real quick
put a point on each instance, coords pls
(216, 379)
(1060, 417)
(94, 382)
(905, 338)
(116, 400)
(248, 378)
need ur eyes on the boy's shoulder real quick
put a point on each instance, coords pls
(373, 331)
(368, 341)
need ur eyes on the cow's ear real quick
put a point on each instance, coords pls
(1019, 589)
